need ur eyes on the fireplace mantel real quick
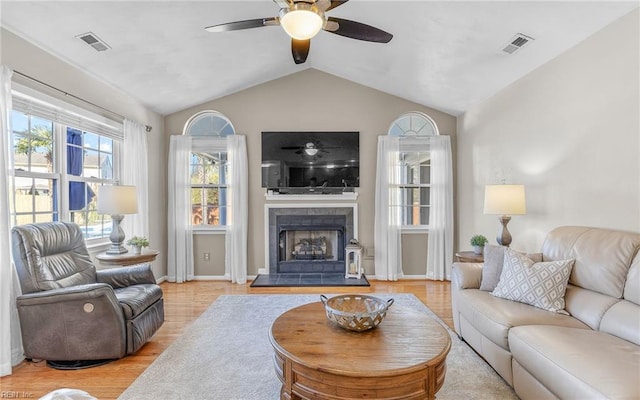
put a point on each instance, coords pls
(311, 197)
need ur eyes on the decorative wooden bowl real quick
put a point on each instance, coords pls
(355, 312)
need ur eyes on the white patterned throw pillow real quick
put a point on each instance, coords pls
(541, 285)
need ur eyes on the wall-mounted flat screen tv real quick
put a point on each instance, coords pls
(310, 160)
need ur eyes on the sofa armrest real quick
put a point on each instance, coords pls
(466, 275)
(122, 277)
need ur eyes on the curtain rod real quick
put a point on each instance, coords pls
(147, 127)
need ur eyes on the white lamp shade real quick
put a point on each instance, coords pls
(300, 21)
(117, 200)
(504, 200)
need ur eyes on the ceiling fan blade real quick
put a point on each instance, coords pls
(323, 5)
(246, 24)
(300, 50)
(336, 3)
(358, 30)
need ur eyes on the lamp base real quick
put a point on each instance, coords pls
(117, 236)
(504, 236)
(117, 248)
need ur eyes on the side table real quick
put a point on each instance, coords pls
(148, 255)
(469, 257)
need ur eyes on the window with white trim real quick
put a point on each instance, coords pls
(209, 171)
(415, 169)
(60, 157)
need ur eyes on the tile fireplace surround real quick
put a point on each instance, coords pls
(335, 224)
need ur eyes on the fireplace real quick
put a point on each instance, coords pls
(308, 240)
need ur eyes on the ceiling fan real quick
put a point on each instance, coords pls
(309, 148)
(303, 19)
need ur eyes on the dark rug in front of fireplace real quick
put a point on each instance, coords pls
(307, 279)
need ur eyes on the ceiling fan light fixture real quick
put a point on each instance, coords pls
(310, 149)
(302, 21)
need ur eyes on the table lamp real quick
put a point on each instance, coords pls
(117, 201)
(504, 200)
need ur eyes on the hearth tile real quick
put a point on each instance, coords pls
(288, 279)
(310, 278)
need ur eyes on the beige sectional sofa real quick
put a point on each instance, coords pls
(593, 351)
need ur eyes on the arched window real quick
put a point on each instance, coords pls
(415, 167)
(208, 123)
(413, 124)
(209, 169)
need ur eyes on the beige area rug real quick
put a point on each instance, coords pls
(226, 354)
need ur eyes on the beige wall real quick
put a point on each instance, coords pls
(308, 100)
(570, 132)
(26, 58)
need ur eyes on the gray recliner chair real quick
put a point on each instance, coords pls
(71, 314)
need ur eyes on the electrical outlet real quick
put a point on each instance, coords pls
(207, 256)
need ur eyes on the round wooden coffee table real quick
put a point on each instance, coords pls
(403, 358)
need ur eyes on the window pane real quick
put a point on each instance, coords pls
(212, 174)
(43, 195)
(424, 215)
(197, 174)
(33, 143)
(196, 206)
(425, 192)
(106, 145)
(91, 167)
(91, 141)
(106, 166)
(425, 174)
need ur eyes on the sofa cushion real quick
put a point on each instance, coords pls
(541, 285)
(493, 316)
(493, 262)
(137, 298)
(623, 321)
(578, 363)
(603, 256)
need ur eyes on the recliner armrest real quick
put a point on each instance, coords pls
(126, 276)
(71, 293)
(466, 275)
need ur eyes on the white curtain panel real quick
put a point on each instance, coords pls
(135, 173)
(387, 224)
(10, 340)
(236, 237)
(180, 246)
(440, 254)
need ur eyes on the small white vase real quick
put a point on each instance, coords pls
(478, 249)
(136, 249)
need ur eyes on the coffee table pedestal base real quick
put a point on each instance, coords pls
(303, 383)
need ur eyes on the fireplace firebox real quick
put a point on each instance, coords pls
(305, 240)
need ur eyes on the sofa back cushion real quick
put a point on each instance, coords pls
(602, 256)
(51, 255)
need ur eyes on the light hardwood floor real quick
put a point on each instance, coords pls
(183, 304)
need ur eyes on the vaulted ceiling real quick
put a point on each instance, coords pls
(444, 54)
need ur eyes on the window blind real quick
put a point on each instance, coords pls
(41, 105)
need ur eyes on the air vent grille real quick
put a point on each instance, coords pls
(92, 40)
(516, 43)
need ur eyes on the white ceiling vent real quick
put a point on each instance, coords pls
(92, 40)
(517, 42)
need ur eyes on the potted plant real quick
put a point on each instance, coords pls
(478, 242)
(137, 243)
